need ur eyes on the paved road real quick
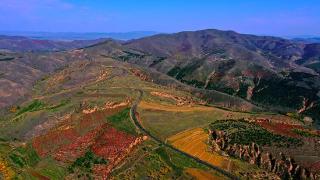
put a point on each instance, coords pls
(133, 111)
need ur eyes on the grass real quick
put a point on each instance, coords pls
(182, 161)
(24, 157)
(242, 132)
(35, 105)
(161, 151)
(121, 121)
(62, 103)
(164, 124)
(305, 133)
(151, 161)
(50, 168)
(144, 163)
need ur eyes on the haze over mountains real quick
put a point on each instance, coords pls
(24, 44)
(69, 36)
(307, 40)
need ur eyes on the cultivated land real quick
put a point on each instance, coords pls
(76, 120)
(194, 142)
(136, 110)
(165, 120)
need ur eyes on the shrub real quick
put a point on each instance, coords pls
(83, 165)
(35, 105)
(243, 132)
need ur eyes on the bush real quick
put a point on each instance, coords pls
(305, 133)
(24, 156)
(83, 165)
(243, 132)
(35, 105)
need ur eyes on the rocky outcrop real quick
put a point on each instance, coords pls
(143, 76)
(108, 105)
(306, 105)
(285, 167)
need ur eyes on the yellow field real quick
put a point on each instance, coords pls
(5, 171)
(193, 142)
(202, 175)
(173, 108)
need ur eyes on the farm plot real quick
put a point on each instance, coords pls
(164, 123)
(203, 175)
(94, 133)
(194, 142)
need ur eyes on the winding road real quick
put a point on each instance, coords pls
(136, 122)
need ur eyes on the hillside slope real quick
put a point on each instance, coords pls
(269, 71)
(275, 73)
(20, 71)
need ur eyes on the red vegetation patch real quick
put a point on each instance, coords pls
(280, 128)
(89, 121)
(46, 144)
(114, 146)
(112, 143)
(70, 130)
(76, 136)
(78, 147)
(315, 166)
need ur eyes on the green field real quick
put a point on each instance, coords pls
(164, 124)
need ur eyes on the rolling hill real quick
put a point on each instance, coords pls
(206, 104)
(24, 44)
(273, 72)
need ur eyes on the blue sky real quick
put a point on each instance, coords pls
(269, 17)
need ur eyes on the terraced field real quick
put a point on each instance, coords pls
(74, 119)
(194, 142)
(79, 127)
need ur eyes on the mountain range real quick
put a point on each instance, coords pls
(69, 36)
(268, 71)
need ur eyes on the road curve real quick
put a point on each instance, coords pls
(133, 117)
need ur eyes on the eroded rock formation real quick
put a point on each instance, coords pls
(285, 167)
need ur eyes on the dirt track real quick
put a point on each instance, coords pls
(172, 108)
